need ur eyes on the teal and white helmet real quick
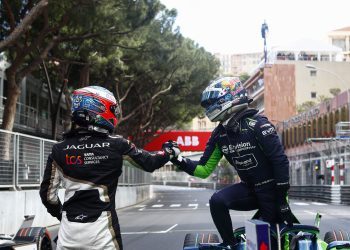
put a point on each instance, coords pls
(224, 97)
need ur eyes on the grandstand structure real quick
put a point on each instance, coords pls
(317, 143)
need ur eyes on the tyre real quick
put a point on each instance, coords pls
(44, 242)
(336, 235)
(34, 234)
(194, 239)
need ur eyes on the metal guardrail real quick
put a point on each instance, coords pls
(23, 160)
(335, 194)
(323, 193)
(345, 194)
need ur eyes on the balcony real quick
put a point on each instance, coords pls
(27, 120)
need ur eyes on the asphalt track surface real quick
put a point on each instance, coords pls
(162, 222)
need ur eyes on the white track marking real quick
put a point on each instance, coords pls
(158, 205)
(175, 205)
(194, 205)
(153, 232)
(319, 204)
(309, 212)
(168, 230)
(301, 204)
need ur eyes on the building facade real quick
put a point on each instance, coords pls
(316, 137)
(237, 64)
(341, 39)
(279, 88)
(33, 111)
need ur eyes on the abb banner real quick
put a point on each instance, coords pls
(187, 140)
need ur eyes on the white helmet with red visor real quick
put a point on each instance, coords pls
(95, 106)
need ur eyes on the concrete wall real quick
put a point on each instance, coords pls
(15, 204)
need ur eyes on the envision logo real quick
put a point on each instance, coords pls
(238, 147)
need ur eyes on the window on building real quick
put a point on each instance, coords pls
(313, 72)
(339, 43)
(313, 94)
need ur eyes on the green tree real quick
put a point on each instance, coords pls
(305, 106)
(334, 91)
(159, 81)
(244, 77)
(31, 30)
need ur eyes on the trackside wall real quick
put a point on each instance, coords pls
(15, 204)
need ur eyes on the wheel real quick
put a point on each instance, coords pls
(44, 242)
(194, 239)
(34, 234)
(336, 235)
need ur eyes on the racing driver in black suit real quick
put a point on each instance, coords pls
(250, 143)
(87, 163)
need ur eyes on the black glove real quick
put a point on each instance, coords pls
(284, 212)
(171, 148)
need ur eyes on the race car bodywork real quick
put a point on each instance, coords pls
(298, 236)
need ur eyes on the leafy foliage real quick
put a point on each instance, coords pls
(128, 46)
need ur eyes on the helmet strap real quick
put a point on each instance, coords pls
(231, 112)
(98, 129)
(82, 118)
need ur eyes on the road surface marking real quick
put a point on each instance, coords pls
(168, 230)
(140, 206)
(158, 205)
(175, 205)
(319, 204)
(309, 212)
(141, 209)
(153, 232)
(195, 205)
(301, 204)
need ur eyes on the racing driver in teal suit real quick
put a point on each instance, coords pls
(250, 143)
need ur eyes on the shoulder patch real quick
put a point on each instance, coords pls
(251, 122)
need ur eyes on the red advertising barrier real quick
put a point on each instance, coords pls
(187, 140)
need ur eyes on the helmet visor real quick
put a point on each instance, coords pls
(115, 109)
(209, 98)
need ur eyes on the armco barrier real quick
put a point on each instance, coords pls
(335, 194)
(324, 193)
(345, 194)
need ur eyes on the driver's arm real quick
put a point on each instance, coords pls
(141, 158)
(49, 188)
(271, 145)
(207, 163)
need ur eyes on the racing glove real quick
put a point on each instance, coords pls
(284, 212)
(172, 149)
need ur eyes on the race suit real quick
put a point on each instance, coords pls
(250, 144)
(87, 164)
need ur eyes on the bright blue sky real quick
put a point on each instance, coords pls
(233, 26)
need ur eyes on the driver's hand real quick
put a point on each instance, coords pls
(171, 148)
(285, 214)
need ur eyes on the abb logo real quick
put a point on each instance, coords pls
(188, 140)
(74, 160)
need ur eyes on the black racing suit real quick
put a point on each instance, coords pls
(249, 143)
(87, 164)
